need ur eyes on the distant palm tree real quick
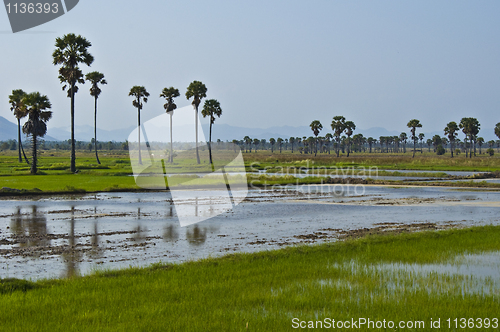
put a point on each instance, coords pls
(35, 105)
(414, 124)
(248, 141)
(451, 131)
(16, 107)
(70, 51)
(280, 142)
(329, 138)
(470, 127)
(211, 108)
(95, 78)
(169, 94)
(292, 142)
(403, 138)
(338, 126)
(370, 142)
(421, 137)
(316, 127)
(497, 130)
(349, 128)
(256, 142)
(480, 142)
(272, 141)
(198, 91)
(141, 95)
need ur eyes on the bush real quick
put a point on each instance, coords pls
(457, 151)
(490, 151)
(440, 150)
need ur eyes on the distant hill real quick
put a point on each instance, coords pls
(8, 130)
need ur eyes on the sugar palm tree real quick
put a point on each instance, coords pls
(349, 128)
(140, 95)
(451, 131)
(414, 124)
(35, 106)
(95, 78)
(280, 142)
(421, 137)
(198, 91)
(497, 130)
(316, 127)
(480, 142)
(211, 108)
(16, 107)
(169, 94)
(470, 127)
(70, 51)
(272, 141)
(292, 142)
(338, 126)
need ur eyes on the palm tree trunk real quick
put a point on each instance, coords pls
(19, 139)
(196, 130)
(73, 156)
(33, 153)
(139, 131)
(210, 145)
(95, 131)
(171, 144)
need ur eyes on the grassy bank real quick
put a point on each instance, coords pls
(263, 291)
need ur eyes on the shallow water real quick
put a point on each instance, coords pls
(72, 235)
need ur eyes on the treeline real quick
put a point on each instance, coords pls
(343, 140)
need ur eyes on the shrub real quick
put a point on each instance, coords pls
(490, 151)
(440, 150)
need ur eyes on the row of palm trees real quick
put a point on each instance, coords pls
(196, 90)
(72, 51)
(469, 126)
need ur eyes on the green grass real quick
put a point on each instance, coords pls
(114, 172)
(264, 290)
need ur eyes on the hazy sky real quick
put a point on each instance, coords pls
(378, 63)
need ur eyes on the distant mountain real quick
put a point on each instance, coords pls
(86, 133)
(8, 130)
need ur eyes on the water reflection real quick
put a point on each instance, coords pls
(72, 256)
(94, 240)
(170, 234)
(196, 235)
(30, 230)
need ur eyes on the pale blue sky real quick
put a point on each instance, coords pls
(378, 63)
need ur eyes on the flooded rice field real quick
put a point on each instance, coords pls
(52, 237)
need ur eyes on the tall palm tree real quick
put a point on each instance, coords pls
(316, 127)
(370, 142)
(95, 78)
(497, 130)
(338, 126)
(141, 95)
(35, 105)
(198, 91)
(16, 107)
(211, 108)
(349, 128)
(169, 94)
(451, 131)
(414, 124)
(70, 51)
